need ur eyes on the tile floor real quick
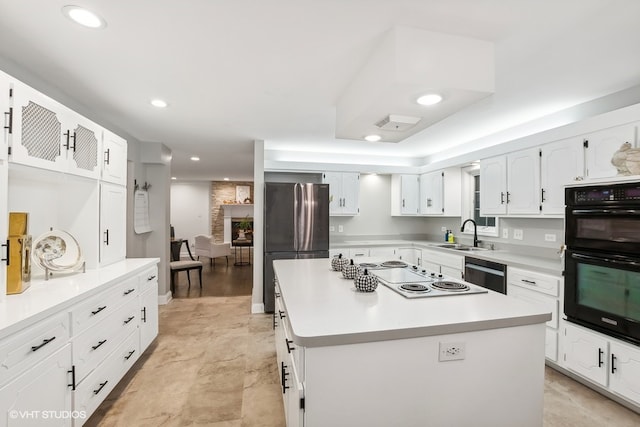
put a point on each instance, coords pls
(213, 364)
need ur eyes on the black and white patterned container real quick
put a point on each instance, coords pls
(338, 262)
(350, 271)
(366, 282)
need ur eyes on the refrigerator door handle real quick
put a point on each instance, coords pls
(297, 194)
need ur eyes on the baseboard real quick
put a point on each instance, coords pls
(257, 308)
(165, 299)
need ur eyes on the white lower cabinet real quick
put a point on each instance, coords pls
(58, 370)
(290, 359)
(606, 361)
(444, 263)
(386, 252)
(625, 370)
(148, 307)
(41, 395)
(93, 389)
(541, 290)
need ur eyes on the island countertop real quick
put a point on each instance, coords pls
(325, 309)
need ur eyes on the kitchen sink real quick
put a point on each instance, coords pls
(460, 247)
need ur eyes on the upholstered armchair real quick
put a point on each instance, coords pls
(204, 246)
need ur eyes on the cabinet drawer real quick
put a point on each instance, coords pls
(100, 306)
(97, 386)
(148, 278)
(534, 281)
(441, 258)
(358, 252)
(92, 345)
(27, 347)
(536, 298)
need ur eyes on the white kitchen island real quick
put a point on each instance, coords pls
(373, 359)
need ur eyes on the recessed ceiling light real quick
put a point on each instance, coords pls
(173, 178)
(195, 158)
(84, 17)
(429, 99)
(373, 138)
(225, 179)
(159, 103)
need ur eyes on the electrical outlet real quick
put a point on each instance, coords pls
(443, 229)
(505, 233)
(340, 229)
(550, 237)
(451, 351)
(332, 228)
(517, 234)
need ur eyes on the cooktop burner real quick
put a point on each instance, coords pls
(445, 285)
(415, 287)
(368, 265)
(393, 263)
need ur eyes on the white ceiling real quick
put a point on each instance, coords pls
(273, 70)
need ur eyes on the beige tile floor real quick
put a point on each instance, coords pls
(213, 364)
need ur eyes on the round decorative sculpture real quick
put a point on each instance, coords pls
(350, 271)
(57, 250)
(366, 282)
(338, 262)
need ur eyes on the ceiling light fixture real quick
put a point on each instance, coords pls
(173, 178)
(225, 179)
(159, 103)
(429, 99)
(373, 138)
(84, 17)
(195, 158)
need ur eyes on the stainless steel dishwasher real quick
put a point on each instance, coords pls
(488, 274)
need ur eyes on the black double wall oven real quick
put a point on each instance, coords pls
(602, 262)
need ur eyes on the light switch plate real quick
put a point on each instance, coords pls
(550, 237)
(340, 229)
(517, 234)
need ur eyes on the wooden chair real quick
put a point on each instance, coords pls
(178, 265)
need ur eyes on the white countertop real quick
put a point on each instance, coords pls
(325, 309)
(542, 265)
(44, 298)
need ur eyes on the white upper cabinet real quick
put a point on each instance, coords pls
(523, 182)
(344, 192)
(600, 147)
(431, 193)
(114, 158)
(561, 163)
(6, 110)
(405, 194)
(440, 193)
(493, 186)
(48, 135)
(113, 223)
(511, 184)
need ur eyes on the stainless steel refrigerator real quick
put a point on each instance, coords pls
(296, 225)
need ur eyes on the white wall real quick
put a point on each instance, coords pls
(375, 218)
(190, 209)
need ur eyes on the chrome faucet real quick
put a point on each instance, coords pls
(475, 231)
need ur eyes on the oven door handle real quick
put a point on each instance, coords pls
(605, 212)
(609, 260)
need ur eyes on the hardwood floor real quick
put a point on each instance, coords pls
(213, 364)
